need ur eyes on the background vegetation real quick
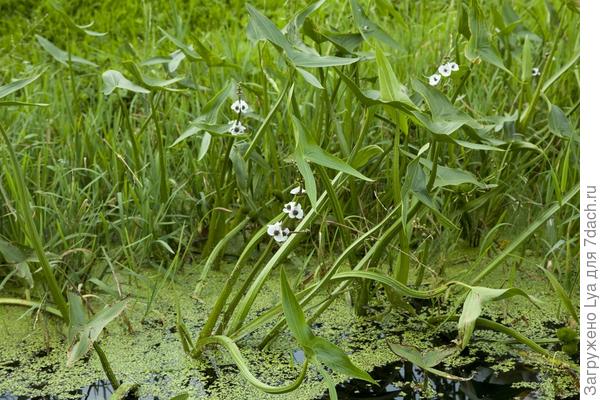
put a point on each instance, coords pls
(137, 179)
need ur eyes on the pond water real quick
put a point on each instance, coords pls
(397, 381)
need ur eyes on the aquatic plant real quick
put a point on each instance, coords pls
(322, 149)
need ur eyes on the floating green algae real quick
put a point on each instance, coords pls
(33, 352)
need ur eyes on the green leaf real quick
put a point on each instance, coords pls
(292, 29)
(368, 28)
(559, 123)
(187, 50)
(562, 294)
(389, 86)
(565, 68)
(477, 298)
(77, 317)
(294, 315)
(310, 78)
(335, 358)
(345, 42)
(479, 46)
(148, 81)
(104, 287)
(447, 176)
(16, 85)
(311, 60)
(425, 361)
(463, 19)
(60, 55)
(476, 146)
(87, 334)
(16, 253)
(390, 282)
(204, 145)
(114, 79)
(21, 103)
(307, 175)
(71, 24)
(329, 383)
(19, 256)
(310, 150)
(314, 153)
(210, 111)
(366, 154)
(526, 62)
(372, 97)
(445, 119)
(416, 183)
(265, 29)
(189, 132)
(240, 167)
(22, 270)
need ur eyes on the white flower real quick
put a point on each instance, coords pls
(236, 128)
(435, 79)
(293, 210)
(240, 106)
(297, 190)
(453, 66)
(279, 233)
(445, 70)
(535, 71)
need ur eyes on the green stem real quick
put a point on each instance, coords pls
(29, 303)
(434, 165)
(524, 235)
(215, 227)
(129, 128)
(249, 279)
(524, 120)
(335, 202)
(218, 306)
(106, 366)
(239, 360)
(164, 192)
(280, 255)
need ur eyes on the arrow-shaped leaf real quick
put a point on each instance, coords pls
(114, 79)
(60, 55)
(477, 298)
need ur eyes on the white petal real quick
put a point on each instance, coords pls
(453, 66)
(445, 70)
(297, 212)
(297, 190)
(434, 79)
(236, 128)
(280, 238)
(289, 207)
(272, 228)
(240, 106)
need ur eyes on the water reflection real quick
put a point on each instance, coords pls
(404, 381)
(100, 390)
